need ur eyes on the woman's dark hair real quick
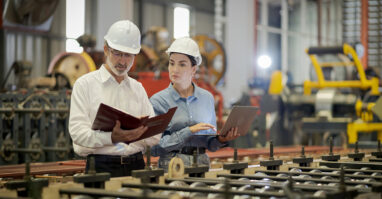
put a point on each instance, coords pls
(192, 58)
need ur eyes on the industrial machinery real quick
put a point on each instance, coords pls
(34, 114)
(71, 66)
(34, 14)
(343, 102)
(34, 126)
(290, 172)
(34, 117)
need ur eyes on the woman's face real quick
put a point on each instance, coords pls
(180, 69)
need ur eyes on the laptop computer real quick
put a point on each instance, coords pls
(240, 116)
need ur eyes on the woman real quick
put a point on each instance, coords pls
(195, 117)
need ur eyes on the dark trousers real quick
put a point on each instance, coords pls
(117, 166)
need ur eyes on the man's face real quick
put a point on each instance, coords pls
(119, 62)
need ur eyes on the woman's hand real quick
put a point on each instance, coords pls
(231, 135)
(120, 135)
(201, 126)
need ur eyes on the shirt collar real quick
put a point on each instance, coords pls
(105, 75)
(175, 95)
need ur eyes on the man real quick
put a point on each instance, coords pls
(112, 86)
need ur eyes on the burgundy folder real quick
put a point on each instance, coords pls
(107, 116)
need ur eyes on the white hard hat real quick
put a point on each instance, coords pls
(124, 36)
(186, 45)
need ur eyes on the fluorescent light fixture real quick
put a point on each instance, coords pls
(75, 24)
(264, 61)
(181, 22)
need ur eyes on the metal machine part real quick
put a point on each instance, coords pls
(370, 120)
(324, 102)
(341, 179)
(214, 59)
(30, 13)
(71, 65)
(34, 126)
(363, 83)
(29, 187)
(148, 175)
(63, 71)
(272, 163)
(339, 108)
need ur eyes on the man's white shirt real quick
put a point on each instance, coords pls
(97, 87)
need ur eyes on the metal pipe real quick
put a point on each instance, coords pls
(283, 179)
(319, 22)
(58, 149)
(201, 190)
(279, 185)
(34, 110)
(313, 175)
(365, 31)
(93, 192)
(24, 150)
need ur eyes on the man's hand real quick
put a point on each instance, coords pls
(120, 135)
(202, 126)
(231, 135)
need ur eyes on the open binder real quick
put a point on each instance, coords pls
(107, 116)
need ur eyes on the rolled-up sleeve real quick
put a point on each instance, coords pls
(170, 140)
(175, 140)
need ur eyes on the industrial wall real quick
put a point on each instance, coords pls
(284, 30)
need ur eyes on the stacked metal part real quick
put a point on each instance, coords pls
(33, 126)
(333, 178)
(374, 34)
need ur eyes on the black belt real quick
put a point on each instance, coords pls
(190, 150)
(117, 158)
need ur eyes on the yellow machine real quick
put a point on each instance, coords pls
(328, 109)
(365, 122)
(362, 83)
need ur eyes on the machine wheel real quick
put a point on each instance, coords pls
(214, 58)
(71, 65)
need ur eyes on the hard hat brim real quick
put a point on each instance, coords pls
(197, 58)
(123, 48)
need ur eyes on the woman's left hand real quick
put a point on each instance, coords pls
(231, 135)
